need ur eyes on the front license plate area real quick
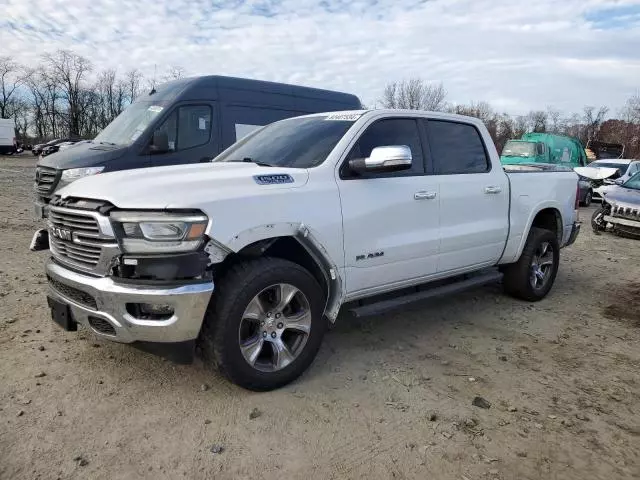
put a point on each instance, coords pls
(61, 314)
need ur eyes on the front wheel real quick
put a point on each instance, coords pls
(532, 276)
(587, 199)
(598, 222)
(265, 324)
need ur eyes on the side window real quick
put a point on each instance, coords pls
(457, 148)
(393, 131)
(194, 126)
(170, 127)
(187, 127)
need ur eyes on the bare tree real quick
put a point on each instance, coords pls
(70, 71)
(414, 94)
(592, 121)
(133, 78)
(554, 120)
(520, 126)
(175, 72)
(538, 120)
(12, 76)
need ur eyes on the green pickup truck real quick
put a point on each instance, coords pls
(544, 148)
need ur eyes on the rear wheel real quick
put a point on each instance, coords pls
(532, 276)
(265, 324)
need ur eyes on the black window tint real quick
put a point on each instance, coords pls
(456, 148)
(188, 127)
(194, 126)
(383, 133)
(170, 127)
(303, 142)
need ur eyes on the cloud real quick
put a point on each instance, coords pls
(566, 54)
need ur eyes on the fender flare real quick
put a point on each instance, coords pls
(304, 235)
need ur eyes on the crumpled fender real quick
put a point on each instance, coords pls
(304, 235)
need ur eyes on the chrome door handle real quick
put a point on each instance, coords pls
(424, 195)
(492, 190)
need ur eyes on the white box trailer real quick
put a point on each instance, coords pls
(7, 136)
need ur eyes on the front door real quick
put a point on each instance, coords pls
(192, 133)
(390, 219)
(474, 198)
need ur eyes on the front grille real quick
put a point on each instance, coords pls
(46, 180)
(75, 237)
(102, 326)
(630, 213)
(73, 294)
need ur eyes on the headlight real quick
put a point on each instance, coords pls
(74, 174)
(159, 232)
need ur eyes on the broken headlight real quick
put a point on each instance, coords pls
(159, 232)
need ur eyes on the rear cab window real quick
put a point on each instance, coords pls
(456, 148)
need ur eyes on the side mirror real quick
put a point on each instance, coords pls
(159, 142)
(384, 159)
(618, 181)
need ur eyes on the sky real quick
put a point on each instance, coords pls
(517, 55)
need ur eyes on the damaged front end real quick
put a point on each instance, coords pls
(132, 277)
(619, 213)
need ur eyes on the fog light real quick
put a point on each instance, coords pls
(156, 309)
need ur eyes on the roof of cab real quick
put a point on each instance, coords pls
(231, 89)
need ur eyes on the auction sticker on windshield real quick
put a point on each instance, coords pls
(351, 117)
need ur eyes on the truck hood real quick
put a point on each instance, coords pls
(84, 154)
(184, 186)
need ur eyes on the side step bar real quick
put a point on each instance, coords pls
(384, 306)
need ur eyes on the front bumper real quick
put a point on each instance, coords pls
(100, 304)
(575, 231)
(622, 221)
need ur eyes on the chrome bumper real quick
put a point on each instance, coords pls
(106, 300)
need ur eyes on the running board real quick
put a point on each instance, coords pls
(384, 306)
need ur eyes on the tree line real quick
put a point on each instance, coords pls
(589, 125)
(64, 95)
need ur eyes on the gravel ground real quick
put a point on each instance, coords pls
(387, 397)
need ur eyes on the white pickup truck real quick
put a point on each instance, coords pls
(255, 254)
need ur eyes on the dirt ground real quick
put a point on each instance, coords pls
(388, 397)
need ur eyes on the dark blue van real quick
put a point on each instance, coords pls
(184, 121)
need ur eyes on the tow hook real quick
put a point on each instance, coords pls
(40, 241)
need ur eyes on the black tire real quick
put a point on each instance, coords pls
(598, 224)
(219, 338)
(517, 279)
(587, 199)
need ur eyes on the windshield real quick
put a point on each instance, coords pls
(297, 143)
(633, 182)
(129, 125)
(622, 167)
(519, 149)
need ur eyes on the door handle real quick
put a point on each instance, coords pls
(492, 190)
(424, 195)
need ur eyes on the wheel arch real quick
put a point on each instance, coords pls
(292, 241)
(548, 217)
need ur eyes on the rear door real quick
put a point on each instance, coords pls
(193, 133)
(474, 197)
(390, 220)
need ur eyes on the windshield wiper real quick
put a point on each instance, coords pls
(251, 160)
